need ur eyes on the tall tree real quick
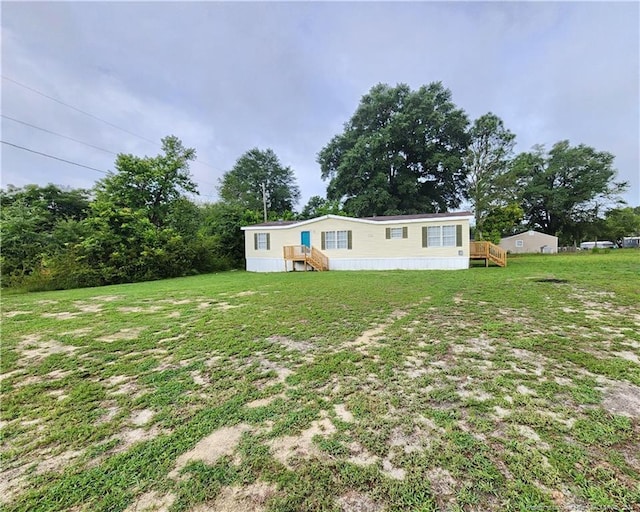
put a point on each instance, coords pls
(150, 184)
(256, 173)
(55, 203)
(487, 164)
(401, 152)
(502, 221)
(36, 222)
(621, 222)
(567, 189)
(317, 206)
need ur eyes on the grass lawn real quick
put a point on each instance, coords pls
(511, 388)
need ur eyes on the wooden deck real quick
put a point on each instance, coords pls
(488, 251)
(309, 257)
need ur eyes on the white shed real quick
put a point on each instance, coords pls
(530, 242)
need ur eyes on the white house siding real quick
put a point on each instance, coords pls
(453, 263)
(370, 249)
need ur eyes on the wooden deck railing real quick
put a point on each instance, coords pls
(488, 251)
(319, 259)
(308, 256)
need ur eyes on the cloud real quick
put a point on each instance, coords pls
(226, 77)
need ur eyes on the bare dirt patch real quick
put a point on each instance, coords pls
(107, 298)
(524, 390)
(392, 471)
(139, 309)
(85, 307)
(370, 335)
(11, 314)
(152, 502)
(142, 417)
(221, 442)
(622, 398)
(263, 402)
(128, 388)
(412, 442)
(129, 437)
(111, 410)
(176, 302)
(33, 348)
(78, 332)
(300, 346)
(57, 462)
(130, 333)
(360, 456)
(628, 356)
(58, 394)
(12, 483)
(198, 378)
(245, 294)
(252, 498)
(116, 380)
(357, 502)
(63, 315)
(281, 371)
(342, 413)
(301, 446)
(443, 485)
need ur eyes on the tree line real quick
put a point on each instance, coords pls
(402, 152)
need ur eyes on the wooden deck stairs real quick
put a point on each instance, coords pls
(488, 251)
(308, 256)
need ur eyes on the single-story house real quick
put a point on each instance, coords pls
(529, 242)
(331, 242)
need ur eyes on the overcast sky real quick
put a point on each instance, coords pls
(226, 77)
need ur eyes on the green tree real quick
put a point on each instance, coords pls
(221, 224)
(621, 222)
(401, 152)
(487, 165)
(318, 206)
(150, 184)
(502, 221)
(54, 202)
(565, 190)
(257, 172)
(36, 223)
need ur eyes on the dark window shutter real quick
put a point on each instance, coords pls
(405, 232)
(268, 241)
(349, 239)
(388, 233)
(424, 236)
(458, 235)
(322, 241)
(255, 241)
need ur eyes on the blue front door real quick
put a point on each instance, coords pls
(305, 238)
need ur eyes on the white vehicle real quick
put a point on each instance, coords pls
(600, 244)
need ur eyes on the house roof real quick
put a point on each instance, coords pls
(281, 224)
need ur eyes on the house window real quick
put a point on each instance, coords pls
(519, 243)
(442, 236)
(261, 241)
(448, 236)
(336, 240)
(396, 233)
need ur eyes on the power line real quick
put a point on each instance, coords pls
(55, 133)
(4, 77)
(93, 116)
(53, 157)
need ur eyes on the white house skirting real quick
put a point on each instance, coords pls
(432, 263)
(448, 263)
